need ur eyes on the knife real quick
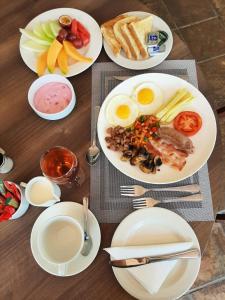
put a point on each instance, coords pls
(134, 262)
(122, 78)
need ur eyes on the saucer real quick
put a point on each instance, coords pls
(74, 210)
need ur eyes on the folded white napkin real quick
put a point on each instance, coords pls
(150, 276)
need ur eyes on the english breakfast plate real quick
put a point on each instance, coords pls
(92, 50)
(123, 61)
(167, 85)
(151, 226)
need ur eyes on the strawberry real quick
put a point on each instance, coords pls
(74, 27)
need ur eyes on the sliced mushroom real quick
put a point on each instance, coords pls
(153, 165)
(143, 153)
(135, 160)
(126, 155)
(134, 150)
(157, 161)
(147, 166)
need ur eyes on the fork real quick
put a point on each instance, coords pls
(138, 190)
(150, 202)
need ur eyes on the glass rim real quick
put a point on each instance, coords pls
(60, 147)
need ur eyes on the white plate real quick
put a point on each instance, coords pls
(74, 210)
(203, 141)
(121, 60)
(155, 226)
(92, 50)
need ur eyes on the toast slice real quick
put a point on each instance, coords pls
(119, 36)
(109, 36)
(130, 41)
(139, 29)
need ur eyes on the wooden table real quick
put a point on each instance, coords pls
(25, 136)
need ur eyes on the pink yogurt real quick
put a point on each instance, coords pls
(52, 97)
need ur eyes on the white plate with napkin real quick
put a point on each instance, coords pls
(149, 232)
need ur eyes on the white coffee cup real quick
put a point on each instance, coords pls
(60, 240)
(40, 191)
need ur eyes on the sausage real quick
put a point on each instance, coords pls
(180, 141)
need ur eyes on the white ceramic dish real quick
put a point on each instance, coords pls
(123, 61)
(42, 81)
(75, 211)
(156, 226)
(42, 179)
(24, 205)
(203, 141)
(92, 50)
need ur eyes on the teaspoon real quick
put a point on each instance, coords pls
(93, 152)
(87, 238)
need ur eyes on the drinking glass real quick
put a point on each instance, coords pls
(60, 165)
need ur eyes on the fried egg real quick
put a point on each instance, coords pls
(148, 97)
(122, 111)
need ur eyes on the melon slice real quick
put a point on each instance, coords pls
(53, 53)
(34, 47)
(42, 63)
(47, 30)
(72, 52)
(55, 27)
(31, 36)
(62, 61)
(38, 31)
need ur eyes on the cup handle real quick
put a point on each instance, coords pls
(23, 184)
(62, 268)
(56, 198)
(75, 181)
(2, 151)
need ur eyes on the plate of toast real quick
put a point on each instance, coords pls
(129, 40)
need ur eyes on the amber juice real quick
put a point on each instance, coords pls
(60, 165)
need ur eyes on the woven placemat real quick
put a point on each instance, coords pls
(106, 202)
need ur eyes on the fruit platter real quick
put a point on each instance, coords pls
(62, 41)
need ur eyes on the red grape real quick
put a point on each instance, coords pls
(59, 39)
(77, 43)
(71, 37)
(63, 34)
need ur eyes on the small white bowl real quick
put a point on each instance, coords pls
(24, 205)
(42, 81)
